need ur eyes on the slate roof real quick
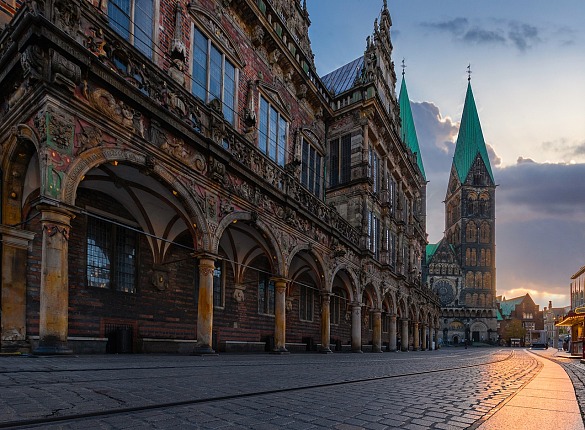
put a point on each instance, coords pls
(342, 79)
(470, 140)
(408, 131)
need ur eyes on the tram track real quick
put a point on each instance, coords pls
(112, 412)
(199, 366)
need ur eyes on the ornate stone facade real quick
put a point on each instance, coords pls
(170, 174)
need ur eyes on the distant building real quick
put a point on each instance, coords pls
(461, 268)
(574, 320)
(551, 317)
(578, 288)
(518, 317)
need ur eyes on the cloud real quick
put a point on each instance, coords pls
(520, 35)
(542, 191)
(495, 160)
(523, 36)
(456, 26)
(479, 35)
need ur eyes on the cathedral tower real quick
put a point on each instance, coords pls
(467, 292)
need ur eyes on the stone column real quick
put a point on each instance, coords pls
(404, 336)
(415, 335)
(54, 298)
(377, 330)
(325, 322)
(15, 244)
(205, 305)
(425, 327)
(356, 327)
(431, 331)
(280, 316)
(392, 333)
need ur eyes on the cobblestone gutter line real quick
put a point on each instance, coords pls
(532, 367)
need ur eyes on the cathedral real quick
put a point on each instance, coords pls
(461, 267)
(176, 177)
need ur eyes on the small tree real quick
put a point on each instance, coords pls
(514, 329)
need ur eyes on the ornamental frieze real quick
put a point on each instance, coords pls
(185, 154)
(67, 16)
(55, 129)
(113, 109)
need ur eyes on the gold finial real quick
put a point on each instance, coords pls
(469, 73)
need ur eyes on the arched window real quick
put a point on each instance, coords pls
(469, 278)
(478, 280)
(482, 300)
(474, 257)
(484, 233)
(471, 232)
(487, 280)
(471, 204)
(488, 257)
(484, 204)
(474, 300)
(482, 258)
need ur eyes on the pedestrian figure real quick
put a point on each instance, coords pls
(399, 344)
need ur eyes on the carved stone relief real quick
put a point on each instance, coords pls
(116, 110)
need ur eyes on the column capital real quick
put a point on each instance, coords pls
(205, 255)
(393, 317)
(53, 213)
(377, 311)
(279, 282)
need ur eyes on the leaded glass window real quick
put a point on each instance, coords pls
(111, 256)
(214, 76)
(134, 21)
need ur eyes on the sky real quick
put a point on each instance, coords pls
(527, 61)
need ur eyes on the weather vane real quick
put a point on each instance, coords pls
(469, 73)
(403, 66)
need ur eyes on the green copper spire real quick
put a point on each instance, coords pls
(408, 132)
(470, 140)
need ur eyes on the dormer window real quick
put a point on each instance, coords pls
(133, 20)
(272, 132)
(214, 76)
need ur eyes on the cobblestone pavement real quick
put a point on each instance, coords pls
(445, 389)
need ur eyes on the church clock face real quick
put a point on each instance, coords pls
(445, 291)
